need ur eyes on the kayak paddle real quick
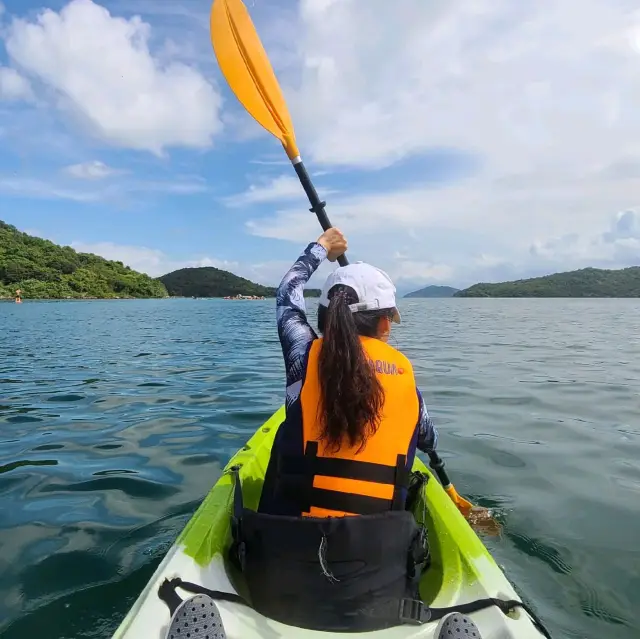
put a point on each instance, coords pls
(247, 69)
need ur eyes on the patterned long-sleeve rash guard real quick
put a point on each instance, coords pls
(296, 336)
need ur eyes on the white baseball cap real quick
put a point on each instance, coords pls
(373, 286)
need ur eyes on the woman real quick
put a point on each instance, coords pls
(350, 396)
(333, 546)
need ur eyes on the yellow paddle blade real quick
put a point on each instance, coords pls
(479, 518)
(463, 505)
(246, 67)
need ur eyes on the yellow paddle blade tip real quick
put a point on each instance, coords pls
(247, 69)
(478, 517)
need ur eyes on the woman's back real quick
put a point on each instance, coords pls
(390, 440)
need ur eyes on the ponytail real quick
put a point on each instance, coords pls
(351, 396)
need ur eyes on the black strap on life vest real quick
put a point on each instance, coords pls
(410, 611)
(298, 474)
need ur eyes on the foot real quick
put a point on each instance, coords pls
(457, 626)
(197, 617)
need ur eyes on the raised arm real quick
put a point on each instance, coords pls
(293, 328)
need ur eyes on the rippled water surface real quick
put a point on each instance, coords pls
(116, 418)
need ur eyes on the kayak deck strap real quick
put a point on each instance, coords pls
(167, 593)
(411, 611)
(416, 612)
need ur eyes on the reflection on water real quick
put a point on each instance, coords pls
(117, 417)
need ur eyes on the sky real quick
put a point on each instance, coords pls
(453, 141)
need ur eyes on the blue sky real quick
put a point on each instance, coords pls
(454, 142)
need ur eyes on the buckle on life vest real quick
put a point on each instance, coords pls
(414, 612)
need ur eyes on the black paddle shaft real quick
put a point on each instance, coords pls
(317, 206)
(435, 461)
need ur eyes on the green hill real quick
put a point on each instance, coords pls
(587, 282)
(434, 291)
(44, 270)
(208, 281)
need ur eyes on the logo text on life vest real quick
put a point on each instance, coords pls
(385, 368)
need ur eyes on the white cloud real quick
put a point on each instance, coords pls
(193, 11)
(612, 248)
(547, 108)
(271, 161)
(155, 262)
(12, 85)
(152, 261)
(283, 187)
(500, 209)
(480, 229)
(42, 189)
(386, 212)
(102, 72)
(93, 170)
(458, 255)
(519, 83)
(619, 246)
(37, 188)
(139, 258)
(278, 189)
(177, 186)
(416, 271)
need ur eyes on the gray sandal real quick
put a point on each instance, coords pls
(196, 618)
(457, 626)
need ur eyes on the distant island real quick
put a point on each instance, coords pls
(41, 269)
(434, 291)
(34, 268)
(208, 281)
(586, 282)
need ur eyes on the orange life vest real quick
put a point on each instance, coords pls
(384, 452)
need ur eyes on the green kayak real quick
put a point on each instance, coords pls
(461, 570)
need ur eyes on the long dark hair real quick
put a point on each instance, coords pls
(351, 396)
